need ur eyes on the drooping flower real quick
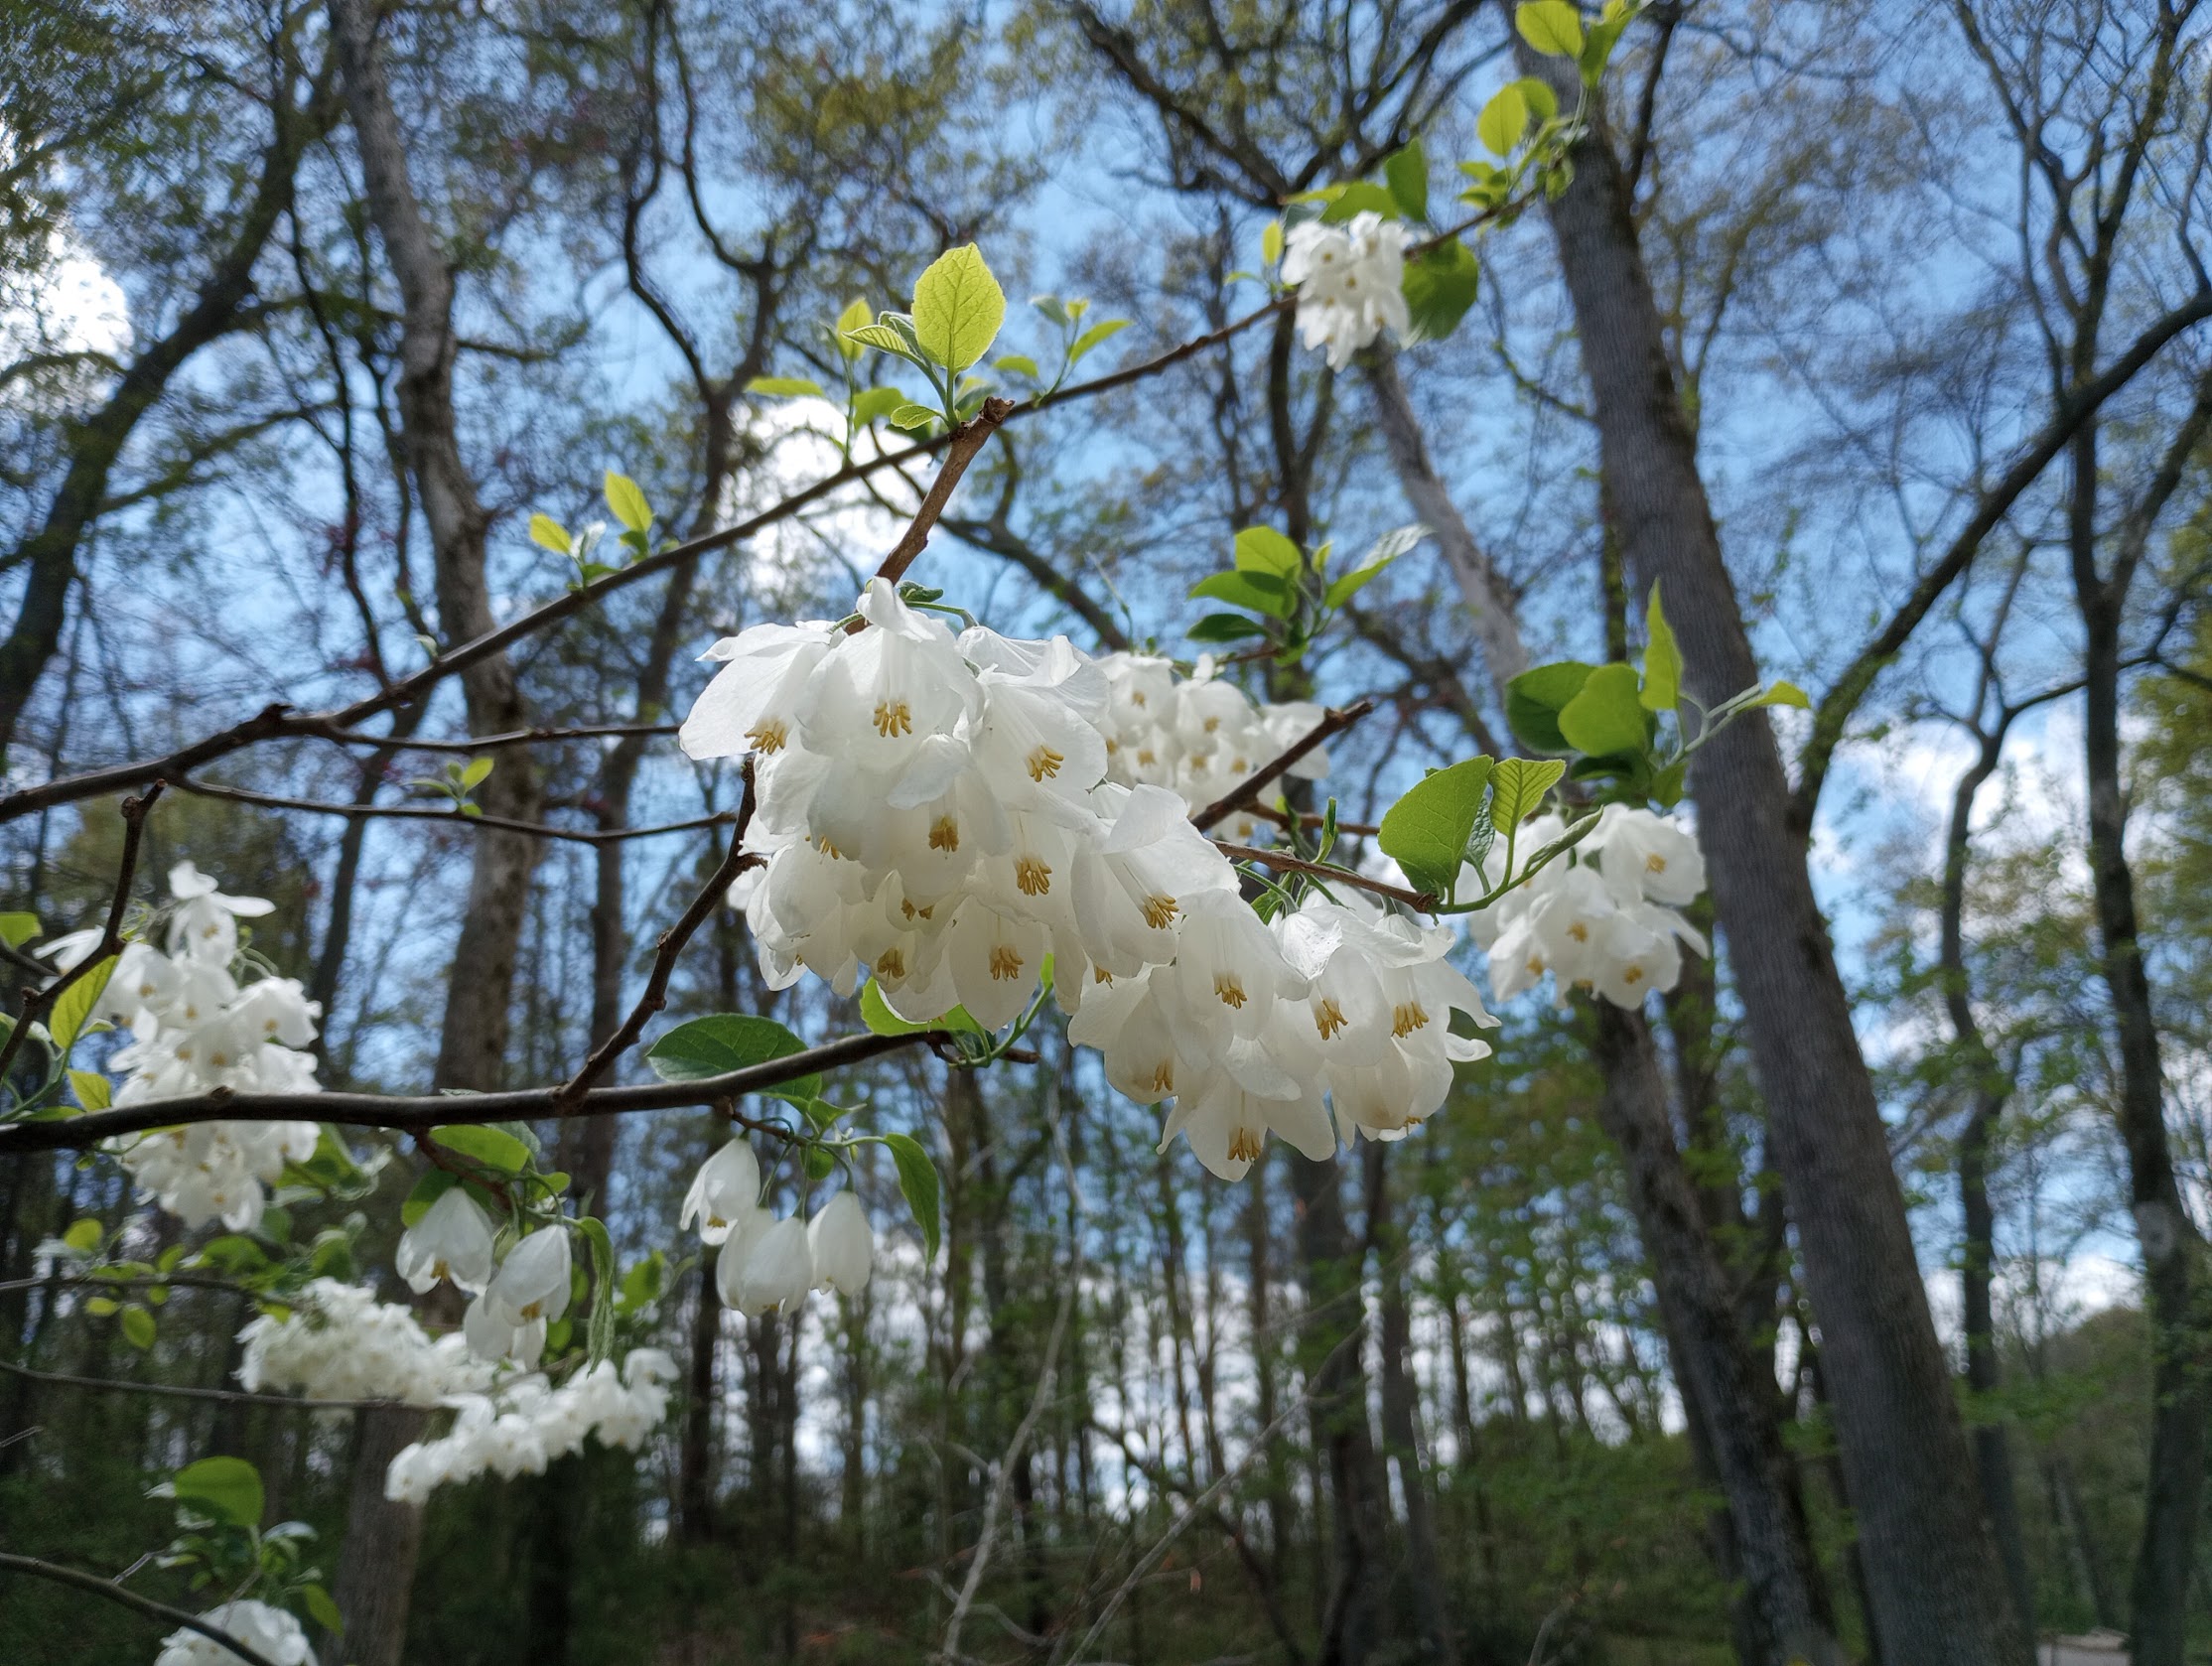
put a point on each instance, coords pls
(452, 1240)
(725, 1188)
(1349, 280)
(842, 1246)
(269, 1631)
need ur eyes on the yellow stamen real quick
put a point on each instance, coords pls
(1042, 762)
(1163, 1076)
(1328, 1018)
(1231, 991)
(1244, 1145)
(1033, 875)
(944, 834)
(1655, 863)
(891, 964)
(771, 734)
(1633, 974)
(1579, 931)
(1006, 964)
(1406, 1018)
(1159, 913)
(895, 717)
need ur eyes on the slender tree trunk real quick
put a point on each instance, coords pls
(1401, 1417)
(695, 1524)
(1932, 1567)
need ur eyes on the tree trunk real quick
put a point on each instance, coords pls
(695, 1463)
(1932, 1568)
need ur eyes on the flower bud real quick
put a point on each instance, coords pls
(842, 1244)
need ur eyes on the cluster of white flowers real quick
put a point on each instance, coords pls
(1349, 280)
(269, 1631)
(529, 1422)
(766, 1263)
(339, 1342)
(194, 1028)
(511, 1302)
(941, 813)
(1605, 920)
(1198, 737)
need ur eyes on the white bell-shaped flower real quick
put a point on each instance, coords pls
(452, 1240)
(271, 1632)
(1646, 857)
(533, 1281)
(881, 692)
(746, 1228)
(842, 1246)
(1227, 1124)
(726, 1188)
(206, 924)
(778, 1270)
(752, 704)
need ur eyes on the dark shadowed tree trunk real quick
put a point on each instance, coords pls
(1932, 1567)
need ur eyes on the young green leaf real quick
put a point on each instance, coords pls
(917, 1181)
(434, 1184)
(871, 404)
(1783, 694)
(1271, 242)
(726, 1042)
(1503, 119)
(1096, 334)
(83, 1236)
(475, 772)
(1224, 628)
(882, 337)
(1535, 698)
(1553, 27)
(1407, 171)
(786, 387)
(1388, 548)
(1606, 715)
(851, 318)
(1662, 685)
(320, 1608)
(958, 308)
(1016, 364)
(92, 1089)
(876, 1012)
(1361, 197)
(628, 501)
(228, 1488)
(1517, 789)
(548, 533)
(67, 1022)
(1426, 830)
(1262, 549)
(1263, 592)
(913, 419)
(491, 1146)
(1440, 286)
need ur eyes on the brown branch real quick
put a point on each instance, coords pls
(1290, 864)
(493, 743)
(665, 952)
(452, 818)
(131, 1600)
(177, 1391)
(1334, 722)
(39, 1003)
(419, 1112)
(967, 440)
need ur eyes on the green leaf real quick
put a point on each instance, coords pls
(1361, 197)
(1262, 549)
(1503, 120)
(67, 1022)
(1271, 243)
(83, 1236)
(1408, 174)
(548, 533)
(1016, 364)
(881, 336)
(642, 1283)
(872, 404)
(628, 501)
(138, 1327)
(1662, 685)
(474, 774)
(99, 1307)
(1440, 286)
(852, 318)
(914, 418)
(1783, 694)
(1096, 334)
(16, 929)
(1263, 592)
(1387, 548)
(320, 1608)
(1427, 829)
(491, 1146)
(92, 1089)
(1550, 26)
(228, 1488)
(1607, 716)
(1224, 628)
(726, 1042)
(1518, 785)
(876, 1012)
(1666, 786)
(786, 387)
(958, 308)
(1543, 102)
(1535, 698)
(1598, 46)
(918, 1181)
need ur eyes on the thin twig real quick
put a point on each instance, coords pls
(1289, 864)
(410, 1114)
(177, 1391)
(451, 817)
(131, 1600)
(39, 1003)
(1334, 722)
(511, 738)
(670, 945)
(968, 440)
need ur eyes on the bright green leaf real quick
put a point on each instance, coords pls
(1263, 592)
(1271, 242)
(548, 533)
(1517, 789)
(1427, 829)
(1543, 102)
(1606, 715)
(628, 501)
(1535, 698)
(474, 774)
(16, 929)
(1361, 197)
(855, 317)
(1224, 628)
(876, 1012)
(99, 1307)
(320, 1608)
(1408, 173)
(1262, 549)
(138, 1327)
(92, 1089)
(881, 336)
(1662, 685)
(958, 308)
(1503, 120)
(726, 1042)
(491, 1146)
(1016, 364)
(67, 1022)
(1096, 334)
(872, 404)
(786, 387)
(83, 1236)
(1440, 285)
(1783, 694)
(1550, 26)
(914, 418)
(228, 1488)
(918, 1181)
